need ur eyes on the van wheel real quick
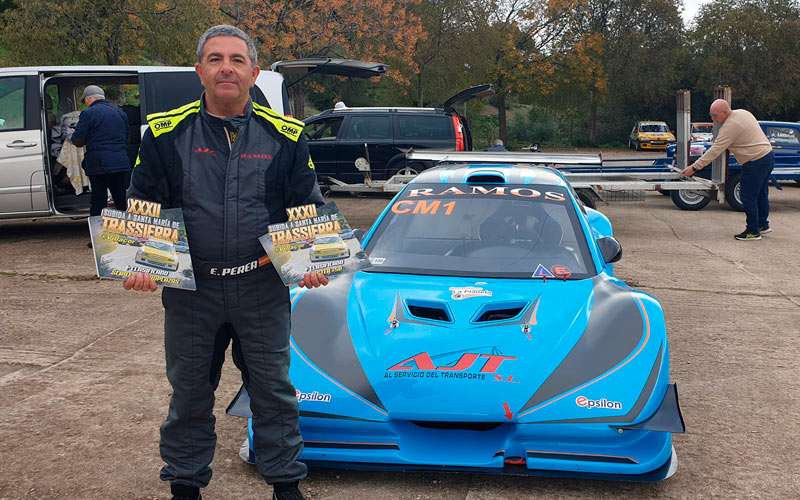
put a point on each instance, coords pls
(689, 200)
(733, 192)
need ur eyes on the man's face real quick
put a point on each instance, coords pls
(225, 69)
(718, 116)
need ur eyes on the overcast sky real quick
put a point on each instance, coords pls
(690, 8)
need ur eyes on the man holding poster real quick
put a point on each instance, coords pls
(233, 167)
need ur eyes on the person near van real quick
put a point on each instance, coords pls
(497, 146)
(103, 129)
(740, 132)
(234, 167)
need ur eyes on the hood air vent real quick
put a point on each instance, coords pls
(430, 311)
(502, 311)
(486, 178)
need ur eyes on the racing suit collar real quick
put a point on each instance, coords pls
(234, 122)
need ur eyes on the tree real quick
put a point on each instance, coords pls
(104, 31)
(751, 45)
(374, 30)
(517, 40)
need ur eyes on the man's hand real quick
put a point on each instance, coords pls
(141, 282)
(313, 280)
(689, 171)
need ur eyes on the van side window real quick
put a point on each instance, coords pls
(169, 90)
(370, 127)
(437, 128)
(12, 103)
(323, 130)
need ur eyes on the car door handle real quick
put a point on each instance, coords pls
(21, 144)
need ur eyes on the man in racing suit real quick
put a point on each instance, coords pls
(234, 167)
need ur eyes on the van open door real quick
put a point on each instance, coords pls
(300, 69)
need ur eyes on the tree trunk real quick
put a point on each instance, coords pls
(593, 117)
(419, 88)
(501, 116)
(299, 102)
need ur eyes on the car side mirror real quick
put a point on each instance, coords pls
(610, 249)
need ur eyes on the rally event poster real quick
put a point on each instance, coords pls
(313, 239)
(143, 239)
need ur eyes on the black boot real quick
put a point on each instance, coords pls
(183, 492)
(287, 491)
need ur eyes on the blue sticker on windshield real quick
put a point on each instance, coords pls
(542, 272)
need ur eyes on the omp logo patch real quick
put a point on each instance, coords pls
(162, 124)
(290, 130)
(591, 404)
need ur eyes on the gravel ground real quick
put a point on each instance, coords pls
(83, 391)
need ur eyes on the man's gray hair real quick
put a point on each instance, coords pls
(227, 30)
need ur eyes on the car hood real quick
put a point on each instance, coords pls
(457, 349)
(154, 252)
(655, 135)
(322, 247)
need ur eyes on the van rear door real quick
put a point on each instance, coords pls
(22, 180)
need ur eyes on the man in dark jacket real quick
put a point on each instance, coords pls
(233, 167)
(103, 129)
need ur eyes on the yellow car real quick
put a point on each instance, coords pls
(650, 135)
(159, 254)
(329, 247)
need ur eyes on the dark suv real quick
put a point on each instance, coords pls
(338, 137)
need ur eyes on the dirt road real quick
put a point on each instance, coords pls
(83, 391)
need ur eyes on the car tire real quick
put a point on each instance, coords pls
(733, 192)
(689, 200)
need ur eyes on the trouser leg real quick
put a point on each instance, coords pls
(261, 322)
(117, 186)
(99, 198)
(750, 188)
(763, 195)
(195, 342)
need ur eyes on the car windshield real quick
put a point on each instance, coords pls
(702, 129)
(159, 245)
(508, 231)
(653, 127)
(326, 239)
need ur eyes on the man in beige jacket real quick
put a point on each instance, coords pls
(739, 131)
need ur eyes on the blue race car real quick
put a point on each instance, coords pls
(489, 334)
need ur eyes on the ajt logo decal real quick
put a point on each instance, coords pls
(469, 365)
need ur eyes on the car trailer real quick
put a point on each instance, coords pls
(589, 175)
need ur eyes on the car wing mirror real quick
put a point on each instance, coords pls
(610, 249)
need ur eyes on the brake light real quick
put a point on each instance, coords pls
(458, 127)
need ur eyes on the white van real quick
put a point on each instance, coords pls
(34, 100)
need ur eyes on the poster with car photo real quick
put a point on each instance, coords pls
(143, 239)
(313, 239)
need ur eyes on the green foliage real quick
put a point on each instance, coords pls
(41, 32)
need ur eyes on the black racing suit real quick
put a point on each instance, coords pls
(231, 178)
